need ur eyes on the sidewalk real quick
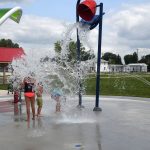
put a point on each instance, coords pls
(4, 93)
(5, 96)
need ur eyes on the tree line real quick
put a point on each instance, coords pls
(85, 55)
(116, 59)
(128, 59)
(72, 51)
(8, 43)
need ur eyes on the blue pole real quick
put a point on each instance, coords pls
(97, 108)
(78, 58)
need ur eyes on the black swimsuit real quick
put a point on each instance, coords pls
(28, 87)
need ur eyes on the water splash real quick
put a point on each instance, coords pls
(52, 69)
(75, 119)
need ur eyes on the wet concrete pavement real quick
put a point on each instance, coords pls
(124, 124)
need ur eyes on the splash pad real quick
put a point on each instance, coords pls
(54, 69)
(75, 129)
(122, 117)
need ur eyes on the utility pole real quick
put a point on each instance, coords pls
(137, 55)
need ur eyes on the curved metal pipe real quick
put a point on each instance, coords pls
(9, 13)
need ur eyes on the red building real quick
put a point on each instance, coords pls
(6, 57)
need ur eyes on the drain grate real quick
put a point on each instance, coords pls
(79, 146)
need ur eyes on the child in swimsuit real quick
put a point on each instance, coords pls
(28, 84)
(56, 94)
(39, 98)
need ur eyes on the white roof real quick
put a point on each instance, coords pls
(103, 61)
(115, 65)
(138, 64)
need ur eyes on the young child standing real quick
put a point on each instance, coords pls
(56, 95)
(39, 99)
(29, 94)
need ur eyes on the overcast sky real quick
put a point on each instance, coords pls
(126, 25)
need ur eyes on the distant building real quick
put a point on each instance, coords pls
(88, 66)
(91, 65)
(116, 68)
(137, 67)
(104, 67)
(6, 57)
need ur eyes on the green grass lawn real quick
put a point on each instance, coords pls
(3, 87)
(120, 85)
(137, 85)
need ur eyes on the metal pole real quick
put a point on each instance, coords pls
(97, 108)
(137, 55)
(78, 58)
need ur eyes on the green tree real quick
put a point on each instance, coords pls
(112, 58)
(135, 57)
(131, 58)
(72, 51)
(146, 60)
(57, 47)
(8, 43)
(118, 60)
(127, 59)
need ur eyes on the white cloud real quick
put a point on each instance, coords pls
(14, 1)
(123, 31)
(128, 30)
(33, 32)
